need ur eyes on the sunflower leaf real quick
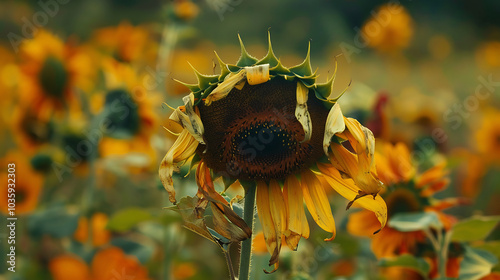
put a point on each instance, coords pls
(475, 228)
(476, 264)
(406, 222)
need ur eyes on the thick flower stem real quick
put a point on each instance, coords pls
(246, 247)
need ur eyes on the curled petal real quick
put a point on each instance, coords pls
(223, 89)
(334, 124)
(350, 191)
(183, 148)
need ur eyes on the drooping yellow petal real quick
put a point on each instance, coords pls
(297, 221)
(301, 112)
(278, 207)
(183, 148)
(317, 202)
(266, 221)
(350, 191)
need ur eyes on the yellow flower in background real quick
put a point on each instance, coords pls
(100, 235)
(390, 29)
(108, 263)
(407, 191)
(132, 118)
(28, 184)
(261, 122)
(185, 9)
(49, 74)
(126, 43)
(488, 55)
(487, 135)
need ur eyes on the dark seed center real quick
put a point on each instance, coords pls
(252, 134)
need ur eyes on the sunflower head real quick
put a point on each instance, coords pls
(276, 129)
(258, 113)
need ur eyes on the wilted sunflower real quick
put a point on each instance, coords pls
(274, 128)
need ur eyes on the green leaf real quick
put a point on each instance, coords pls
(492, 247)
(415, 221)
(56, 222)
(408, 261)
(476, 264)
(126, 219)
(475, 228)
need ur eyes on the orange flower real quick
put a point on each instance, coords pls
(125, 42)
(69, 267)
(487, 136)
(112, 261)
(406, 192)
(28, 184)
(109, 263)
(488, 55)
(183, 271)
(100, 235)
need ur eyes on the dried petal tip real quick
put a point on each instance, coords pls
(257, 74)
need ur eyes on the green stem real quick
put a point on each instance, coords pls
(246, 247)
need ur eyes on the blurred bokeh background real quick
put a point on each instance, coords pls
(83, 86)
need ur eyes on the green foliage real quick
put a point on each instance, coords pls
(126, 219)
(57, 222)
(473, 229)
(476, 263)
(406, 222)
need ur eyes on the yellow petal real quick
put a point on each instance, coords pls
(223, 89)
(184, 147)
(349, 190)
(301, 112)
(266, 221)
(278, 208)
(317, 202)
(354, 128)
(334, 124)
(347, 160)
(297, 221)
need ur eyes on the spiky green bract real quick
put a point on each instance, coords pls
(302, 72)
